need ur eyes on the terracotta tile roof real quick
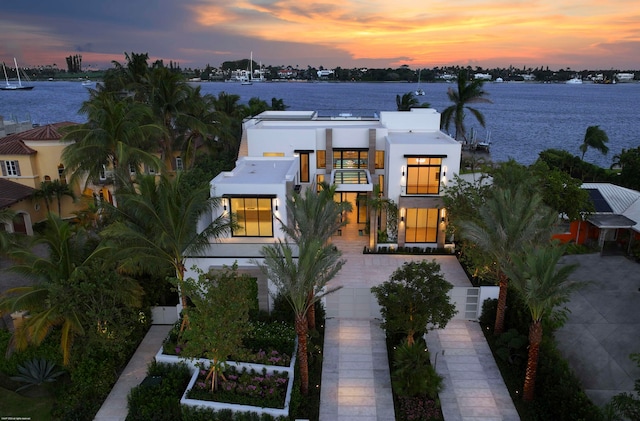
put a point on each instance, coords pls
(15, 147)
(12, 192)
(48, 132)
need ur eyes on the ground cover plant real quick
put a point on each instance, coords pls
(244, 387)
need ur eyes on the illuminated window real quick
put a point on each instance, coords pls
(304, 167)
(423, 175)
(273, 154)
(350, 159)
(421, 225)
(319, 181)
(321, 159)
(379, 160)
(381, 183)
(254, 216)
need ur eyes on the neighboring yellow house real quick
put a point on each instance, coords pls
(29, 158)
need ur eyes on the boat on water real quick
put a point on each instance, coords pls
(87, 82)
(13, 87)
(624, 77)
(574, 81)
(419, 91)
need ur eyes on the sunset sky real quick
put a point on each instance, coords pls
(576, 34)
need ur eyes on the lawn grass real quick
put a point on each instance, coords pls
(14, 404)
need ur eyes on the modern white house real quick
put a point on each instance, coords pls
(404, 153)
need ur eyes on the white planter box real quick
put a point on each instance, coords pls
(217, 406)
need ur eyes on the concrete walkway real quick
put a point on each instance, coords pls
(356, 385)
(473, 386)
(114, 407)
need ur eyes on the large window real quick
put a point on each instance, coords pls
(379, 160)
(254, 216)
(421, 225)
(423, 175)
(304, 167)
(10, 168)
(321, 158)
(350, 159)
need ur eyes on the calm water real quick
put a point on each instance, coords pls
(523, 119)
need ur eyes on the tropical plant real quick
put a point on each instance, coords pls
(406, 102)
(594, 138)
(69, 252)
(628, 404)
(6, 217)
(508, 220)
(315, 265)
(50, 189)
(543, 286)
(219, 318)
(116, 136)
(467, 93)
(414, 300)
(158, 226)
(314, 216)
(413, 374)
(36, 372)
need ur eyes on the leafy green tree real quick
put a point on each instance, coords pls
(315, 265)
(414, 300)
(629, 161)
(219, 318)
(467, 93)
(509, 220)
(543, 285)
(594, 138)
(158, 226)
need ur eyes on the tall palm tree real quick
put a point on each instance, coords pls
(509, 220)
(594, 138)
(314, 217)
(116, 135)
(315, 266)
(468, 92)
(543, 285)
(158, 225)
(69, 252)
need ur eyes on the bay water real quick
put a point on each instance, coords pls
(522, 120)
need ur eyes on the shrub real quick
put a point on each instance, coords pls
(35, 372)
(413, 374)
(159, 401)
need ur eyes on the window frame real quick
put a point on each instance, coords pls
(422, 173)
(241, 215)
(412, 216)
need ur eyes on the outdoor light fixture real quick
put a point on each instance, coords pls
(224, 204)
(276, 204)
(403, 170)
(442, 219)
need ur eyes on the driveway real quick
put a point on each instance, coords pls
(604, 325)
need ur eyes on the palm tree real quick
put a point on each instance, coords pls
(6, 216)
(315, 266)
(158, 225)
(314, 217)
(509, 220)
(116, 135)
(543, 286)
(69, 252)
(406, 102)
(50, 189)
(467, 93)
(595, 138)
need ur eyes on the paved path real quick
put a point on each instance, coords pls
(603, 327)
(114, 407)
(356, 385)
(473, 386)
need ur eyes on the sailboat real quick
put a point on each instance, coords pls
(419, 91)
(249, 80)
(9, 86)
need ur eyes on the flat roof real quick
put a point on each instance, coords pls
(420, 138)
(259, 170)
